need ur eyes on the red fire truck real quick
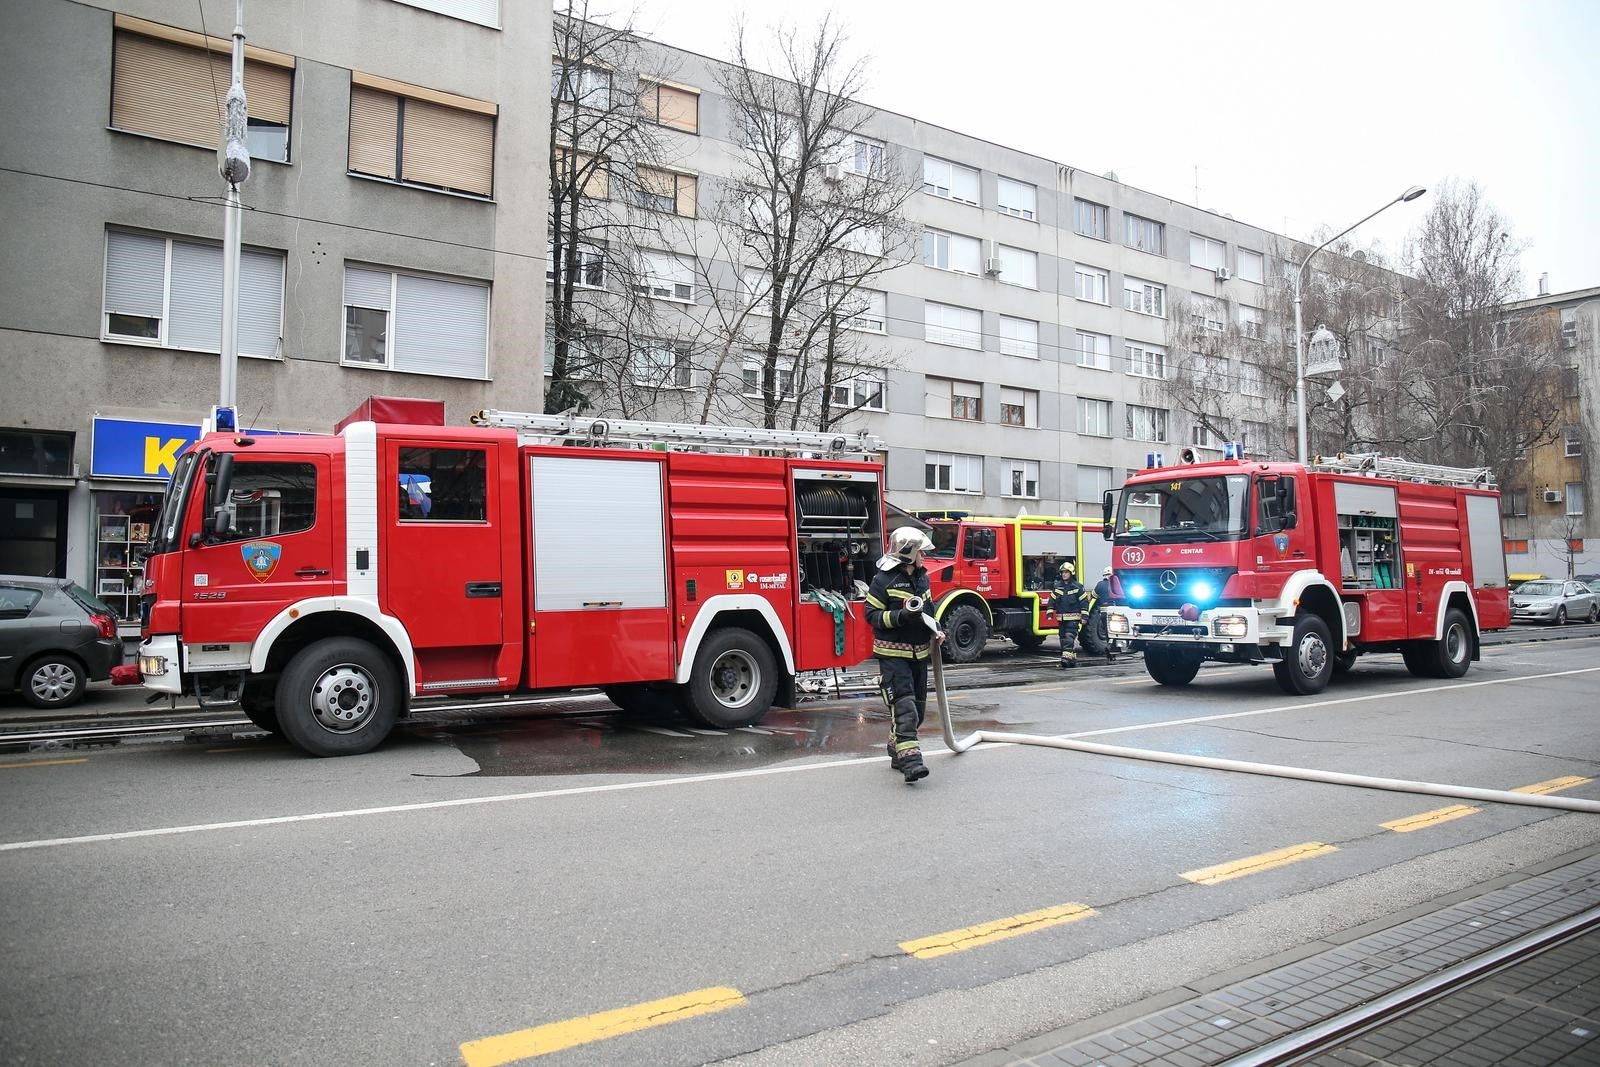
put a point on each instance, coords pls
(322, 582)
(1306, 567)
(994, 575)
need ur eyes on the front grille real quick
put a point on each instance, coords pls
(1183, 578)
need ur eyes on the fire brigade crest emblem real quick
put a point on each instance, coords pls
(261, 558)
(1281, 543)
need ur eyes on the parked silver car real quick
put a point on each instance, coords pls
(1554, 602)
(54, 639)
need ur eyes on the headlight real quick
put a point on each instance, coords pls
(1116, 624)
(153, 665)
(1230, 626)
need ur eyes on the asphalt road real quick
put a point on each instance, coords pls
(484, 891)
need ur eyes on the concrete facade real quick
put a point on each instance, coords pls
(1550, 529)
(1054, 375)
(68, 177)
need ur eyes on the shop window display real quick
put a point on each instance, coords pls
(123, 524)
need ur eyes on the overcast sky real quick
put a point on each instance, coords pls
(1297, 116)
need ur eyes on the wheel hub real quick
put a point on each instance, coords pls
(734, 679)
(1313, 655)
(344, 698)
(53, 682)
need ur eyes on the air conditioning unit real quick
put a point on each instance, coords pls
(1552, 496)
(833, 172)
(1224, 274)
(992, 265)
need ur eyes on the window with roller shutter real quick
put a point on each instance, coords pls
(419, 136)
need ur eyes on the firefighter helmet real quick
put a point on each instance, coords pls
(1068, 569)
(906, 545)
(1106, 573)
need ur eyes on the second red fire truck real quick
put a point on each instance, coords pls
(323, 581)
(1306, 567)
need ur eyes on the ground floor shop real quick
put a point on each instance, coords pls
(82, 503)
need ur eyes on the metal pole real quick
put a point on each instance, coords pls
(233, 163)
(1299, 373)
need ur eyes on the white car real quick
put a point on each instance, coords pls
(1554, 602)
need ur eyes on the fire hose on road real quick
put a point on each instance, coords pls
(1305, 774)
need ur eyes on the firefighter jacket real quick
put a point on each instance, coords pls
(1069, 597)
(1102, 594)
(895, 632)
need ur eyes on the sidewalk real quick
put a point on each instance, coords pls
(1541, 1011)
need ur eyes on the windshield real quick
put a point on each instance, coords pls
(1184, 509)
(166, 536)
(944, 541)
(1539, 589)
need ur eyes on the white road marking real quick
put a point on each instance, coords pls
(724, 776)
(663, 731)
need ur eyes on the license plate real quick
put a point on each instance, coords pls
(1165, 620)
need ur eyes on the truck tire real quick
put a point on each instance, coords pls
(733, 680)
(1170, 666)
(966, 631)
(1345, 662)
(338, 697)
(1307, 663)
(1025, 639)
(259, 705)
(1451, 655)
(1418, 662)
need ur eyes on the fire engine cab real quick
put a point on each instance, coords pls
(1306, 567)
(323, 581)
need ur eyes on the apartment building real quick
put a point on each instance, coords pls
(392, 239)
(1023, 348)
(1549, 517)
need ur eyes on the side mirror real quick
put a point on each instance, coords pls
(1290, 520)
(219, 488)
(1284, 489)
(1106, 530)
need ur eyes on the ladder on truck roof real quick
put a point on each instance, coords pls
(1379, 466)
(678, 436)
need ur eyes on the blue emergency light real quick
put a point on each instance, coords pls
(1233, 450)
(1154, 459)
(224, 419)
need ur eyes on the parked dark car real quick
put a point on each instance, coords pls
(55, 638)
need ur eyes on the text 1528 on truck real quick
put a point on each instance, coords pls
(1306, 567)
(323, 581)
(995, 575)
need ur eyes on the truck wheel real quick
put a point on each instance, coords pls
(1451, 655)
(53, 681)
(259, 705)
(1026, 639)
(966, 631)
(338, 697)
(733, 681)
(1171, 667)
(1344, 662)
(1307, 663)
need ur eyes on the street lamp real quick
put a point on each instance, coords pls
(1299, 353)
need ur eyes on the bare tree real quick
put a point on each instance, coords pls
(1481, 387)
(811, 214)
(606, 156)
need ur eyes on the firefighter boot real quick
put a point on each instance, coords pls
(894, 758)
(911, 764)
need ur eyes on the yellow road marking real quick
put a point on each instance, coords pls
(1554, 785)
(553, 1037)
(42, 763)
(1045, 689)
(1222, 872)
(1429, 818)
(926, 948)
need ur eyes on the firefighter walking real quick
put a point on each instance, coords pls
(1068, 600)
(1096, 623)
(897, 604)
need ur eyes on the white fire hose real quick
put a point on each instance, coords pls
(1306, 774)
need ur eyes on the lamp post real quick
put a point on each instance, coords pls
(1299, 353)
